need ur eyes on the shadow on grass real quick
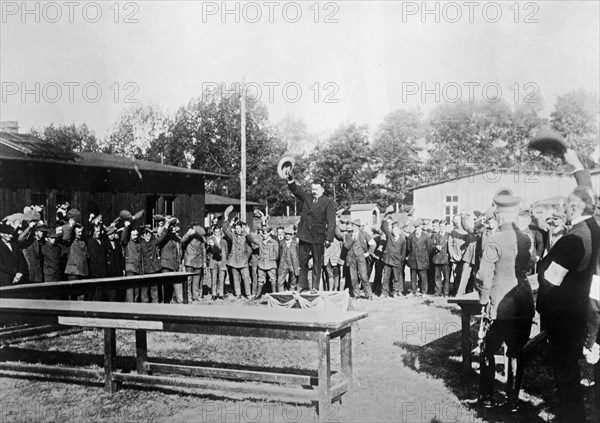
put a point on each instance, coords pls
(441, 359)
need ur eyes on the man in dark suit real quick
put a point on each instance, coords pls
(13, 267)
(316, 229)
(419, 247)
(566, 275)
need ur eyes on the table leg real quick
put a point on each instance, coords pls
(324, 374)
(465, 318)
(141, 347)
(110, 355)
(346, 356)
(185, 291)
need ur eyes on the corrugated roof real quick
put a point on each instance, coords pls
(363, 207)
(34, 147)
(219, 200)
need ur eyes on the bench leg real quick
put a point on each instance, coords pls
(346, 356)
(141, 347)
(184, 286)
(465, 318)
(110, 356)
(324, 375)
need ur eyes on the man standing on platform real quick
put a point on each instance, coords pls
(316, 229)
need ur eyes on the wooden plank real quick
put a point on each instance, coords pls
(338, 390)
(324, 357)
(229, 389)
(234, 374)
(346, 356)
(141, 351)
(332, 320)
(52, 370)
(110, 355)
(236, 329)
(82, 286)
(110, 323)
(465, 319)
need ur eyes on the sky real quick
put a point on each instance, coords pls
(328, 63)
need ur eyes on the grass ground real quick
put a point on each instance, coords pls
(406, 369)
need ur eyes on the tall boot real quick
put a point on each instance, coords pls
(487, 379)
(513, 384)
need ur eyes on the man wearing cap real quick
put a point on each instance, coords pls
(133, 258)
(52, 253)
(13, 267)
(239, 255)
(31, 241)
(115, 260)
(332, 264)
(77, 260)
(194, 260)
(289, 266)
(419, 248)
(315, 230)
(505, 292)
(566, 276)
(359, 245)
(170, 260)
(394, 254)
(217, 253)
(149, 248)
(441, 259)
(267, 260)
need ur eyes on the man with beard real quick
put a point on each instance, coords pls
(13, 267)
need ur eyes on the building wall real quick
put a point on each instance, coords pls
(476, 192)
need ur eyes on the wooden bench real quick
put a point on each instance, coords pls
(318, 326)
(469, 306)
(49, 290)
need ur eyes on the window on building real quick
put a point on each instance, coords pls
(374, 220)
(169, 205)
(451, 208)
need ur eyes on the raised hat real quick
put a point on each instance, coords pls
(53, 234)
(507, 203)
(74, 214)
(548, 141)
(30, 214)
(357, 222)
(285, 163)
(159, 217)
(504, 191)
(40, 227)
(111, 230)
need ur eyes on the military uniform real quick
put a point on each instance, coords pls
(502, 282)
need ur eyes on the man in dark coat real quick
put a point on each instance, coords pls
(394, 254)
(360, 245)
(419, 247)
(31, 241)
(115, 260)
(13, 267)
(565, 277)
(441, 260)
(316, 230)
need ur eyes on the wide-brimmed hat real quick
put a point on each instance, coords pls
(6, 229)
(548, 141)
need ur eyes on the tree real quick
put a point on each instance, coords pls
(294, 132)
(134, 132)
(396, 146)
(69, 137)
(346, 164)
(209, 132)
(575, 116)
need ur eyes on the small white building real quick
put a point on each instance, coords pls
(474, 191)
(369, 214)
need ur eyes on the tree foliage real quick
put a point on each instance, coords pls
(69, 137)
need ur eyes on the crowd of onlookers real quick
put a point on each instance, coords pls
(418, 257)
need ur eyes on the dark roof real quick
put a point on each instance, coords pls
(501, 169)
(219, 200)
(31, 148)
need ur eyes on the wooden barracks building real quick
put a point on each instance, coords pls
(34, 172)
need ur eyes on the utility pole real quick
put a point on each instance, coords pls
(243, 166)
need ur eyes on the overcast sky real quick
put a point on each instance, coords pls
(368, 60)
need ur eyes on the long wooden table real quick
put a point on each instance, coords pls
(49, 290)
(318, 326)
(469, 306)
